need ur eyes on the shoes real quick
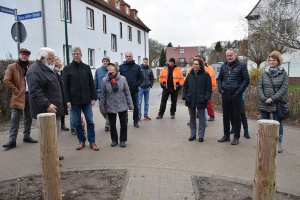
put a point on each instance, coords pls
(60, 157)
(192, 138)
(201, 139)
(147, 118)
(122, 144)
(188, 124)
(235, 141)
(211, 119)
(224, 139)
(107, 129)
(172, 116)
(159, 117)
(64, 128)
(94, 147)
(279, 147)
(139, 118)
(246, 133)
(10, 145)
(136, 125)
(29, 140)
(73, 131)
(80, 146)
(113, 144)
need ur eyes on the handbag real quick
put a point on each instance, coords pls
(283, 110)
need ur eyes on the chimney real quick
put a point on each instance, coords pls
(112, 3)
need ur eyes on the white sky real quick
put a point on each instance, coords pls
(194, 22)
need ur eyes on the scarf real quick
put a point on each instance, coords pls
(113, 82)
(24, 65)
(230, 64)
(273, 71)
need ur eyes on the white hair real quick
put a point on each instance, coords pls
(43, 52)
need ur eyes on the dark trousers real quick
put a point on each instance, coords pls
(231, 105)
(243, 116)
(135, 100)
(123, 126)
(164, 98)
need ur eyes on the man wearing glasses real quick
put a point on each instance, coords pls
(15, 81)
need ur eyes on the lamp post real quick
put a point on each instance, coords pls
(66, 32)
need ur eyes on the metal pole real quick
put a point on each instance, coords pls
(17, 32)
(66, 31)
(44, 23)
(289, 69)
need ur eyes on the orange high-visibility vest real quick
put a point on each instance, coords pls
(177, 76)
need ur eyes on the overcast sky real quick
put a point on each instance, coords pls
(193, 22)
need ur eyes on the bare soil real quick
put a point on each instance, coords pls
(76, 185)
(216, 189)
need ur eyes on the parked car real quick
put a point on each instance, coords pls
(183, 69)
(217, 67)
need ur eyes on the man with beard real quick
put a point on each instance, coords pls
(45, 92)
(15, 81)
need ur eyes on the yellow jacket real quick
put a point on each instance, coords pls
(177, 77)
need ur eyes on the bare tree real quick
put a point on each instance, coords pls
(154, 52)
(277, 22)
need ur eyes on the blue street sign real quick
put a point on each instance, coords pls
(7, 10)
(29, 16)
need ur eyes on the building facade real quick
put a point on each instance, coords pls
(183, 55)
(98, 27)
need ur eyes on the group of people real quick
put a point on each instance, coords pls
(45, 86)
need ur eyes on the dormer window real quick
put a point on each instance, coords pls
(135, 15)
(118, 4)
(127, 10)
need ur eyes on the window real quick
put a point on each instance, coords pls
(286, 2)
(122, 58)
(127, 10)
(121, 30)
(139, 37)
(139, 60)
(89, 18)
(118, 4)
(192, 59)
(129, 33)
(113, 42)
(65, 54)
(181, 50)
(105, 53)
(104, 24)
(135, 15)
(91, 57)
(181, 60)
(62, 12)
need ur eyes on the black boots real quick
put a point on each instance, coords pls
(64, 128)
(10, 145)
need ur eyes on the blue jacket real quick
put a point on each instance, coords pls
(233, 80)
(100, 73)
(148, 77)
(133, 75)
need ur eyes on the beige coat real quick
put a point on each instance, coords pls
(14, 81)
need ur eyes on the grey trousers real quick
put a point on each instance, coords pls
(202, 122)
(15, 121)
(104, 115)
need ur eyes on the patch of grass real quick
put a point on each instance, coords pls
(294, 86)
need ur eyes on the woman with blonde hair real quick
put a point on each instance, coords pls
(272, 87)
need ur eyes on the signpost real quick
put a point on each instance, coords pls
(7, 10)
(29, 16)
(18, 32)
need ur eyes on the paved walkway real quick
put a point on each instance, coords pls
(159, 156)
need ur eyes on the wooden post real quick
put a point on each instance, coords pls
(265, 165)
(49, 156)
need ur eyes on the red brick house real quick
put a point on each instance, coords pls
(183, 55)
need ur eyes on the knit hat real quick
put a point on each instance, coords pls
(114, 65)
(106, 58)
(172, 60)
(23, 50)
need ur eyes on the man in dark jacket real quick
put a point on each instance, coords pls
(232, 82)
(45, 93)
(80, 96)
(134, 77)
(144, 89)
(15, 81)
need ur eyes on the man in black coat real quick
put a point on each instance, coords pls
(134, 77)
(80, 96)
(45, 92)
(232, 82)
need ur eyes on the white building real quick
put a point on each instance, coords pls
(288, 11)
(98, 27)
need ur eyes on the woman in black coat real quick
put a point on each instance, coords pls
(197, 91)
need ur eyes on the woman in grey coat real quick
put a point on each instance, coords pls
(116, 99)
(267, 102)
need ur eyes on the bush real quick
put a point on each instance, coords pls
(254, 75)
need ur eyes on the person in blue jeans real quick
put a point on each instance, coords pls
(80, 96)
(144, 89)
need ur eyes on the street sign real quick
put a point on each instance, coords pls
(18, 32)
(7, 10)
(29, 15)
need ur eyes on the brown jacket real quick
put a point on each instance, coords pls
(14, 81)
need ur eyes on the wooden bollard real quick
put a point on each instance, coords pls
(49, 156)
(266, 160)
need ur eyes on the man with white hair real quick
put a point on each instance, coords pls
(45, 92)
